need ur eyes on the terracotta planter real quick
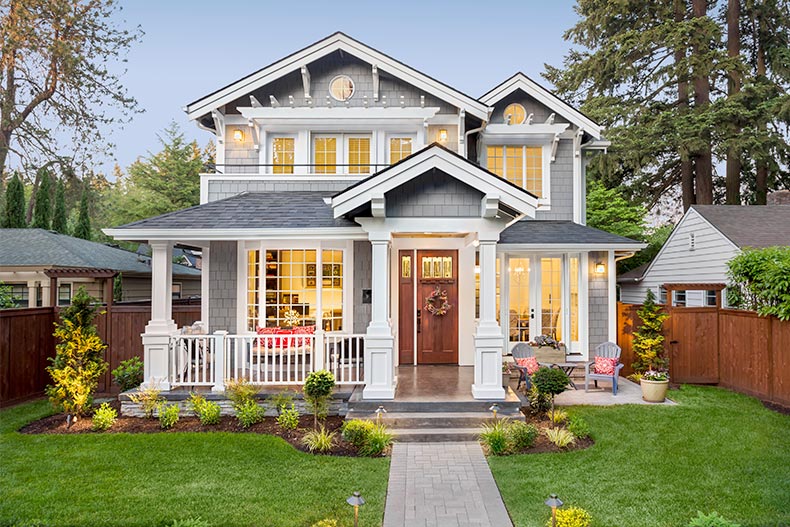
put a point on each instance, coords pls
(549, 354)
(654, 391)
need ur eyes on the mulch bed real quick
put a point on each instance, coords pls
(56, 424)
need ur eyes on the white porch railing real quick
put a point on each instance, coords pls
(267, 360)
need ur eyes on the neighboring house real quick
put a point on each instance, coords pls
(358, 197)
(31, 260)
(697, 251)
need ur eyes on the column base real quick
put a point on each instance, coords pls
(378, 393)
(379, 370)
(488, 393)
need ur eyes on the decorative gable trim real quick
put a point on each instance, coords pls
(519, 81)
(495, 189)
(332, 43)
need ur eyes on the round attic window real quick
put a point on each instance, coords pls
(516, 112)
(341, 88)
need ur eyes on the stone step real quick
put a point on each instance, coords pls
(399, 420)
(363, 407)
(439, 435)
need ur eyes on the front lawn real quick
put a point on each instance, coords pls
(152, 479)
(655, 466)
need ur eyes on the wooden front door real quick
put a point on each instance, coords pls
(437, 333)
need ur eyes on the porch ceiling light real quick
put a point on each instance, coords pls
(238, 135)
(600, 267)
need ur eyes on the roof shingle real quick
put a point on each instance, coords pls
(750, 225)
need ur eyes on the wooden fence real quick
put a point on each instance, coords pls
(26, 343)
(736, 349)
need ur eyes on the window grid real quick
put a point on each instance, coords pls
(574, 287)
(519, 308)
(551, 295)
(358, 155)
(521, 165)
(400, 147)
(332, 289)
(64, 294)
(283, 155)
(253, 288)
(290, 288)
(325, 149)
(516, 112)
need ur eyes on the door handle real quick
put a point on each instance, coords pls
(419, 319)
(532, 313)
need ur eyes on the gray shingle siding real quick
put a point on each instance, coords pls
(362, 280)
(434, 194)
(231, 187)
(532, 106)
(598, 317)
(561, 184)
(223, 280)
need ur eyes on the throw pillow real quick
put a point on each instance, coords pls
(304, 330)
(530, 363)
(605, 365)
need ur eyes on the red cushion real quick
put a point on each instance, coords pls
(530, 363)
(605, 365)
(267, 331)
(304, 330)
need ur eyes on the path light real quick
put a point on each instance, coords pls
(380, 411)
(355, 501)
(554, 502)
(494, 408)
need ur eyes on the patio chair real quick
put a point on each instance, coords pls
(522, 350)
(607, 349)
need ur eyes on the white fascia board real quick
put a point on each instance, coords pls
(562, 247)
(337, 113)
(545, 97)
(464, 171)
(335, 42)
(522, 133)
(330, 233)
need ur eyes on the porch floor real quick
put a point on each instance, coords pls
(439, 383)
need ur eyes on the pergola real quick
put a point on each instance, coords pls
(107, 275)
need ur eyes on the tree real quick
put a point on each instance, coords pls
(609, 211)
(54, 74)
(648, 343)
(42, 211)
(760, 280)
(550, 382)
(7, 298)
(83, 228)
(733, 177)
(59, 222)
(15, 204)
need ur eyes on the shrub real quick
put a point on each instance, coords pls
(207, 411)
(539, 402)
(572, 517)
(758, 281)
(357, 431)
(249, 413)
(319, 440)
(317, 390)
(129, 374)
(521, 435)
(711, 520)
(326, 523)
(288, 418)
(551, 382)
(104, 417)
(559, 416)
(578, 427)
(190, 522)
(648, 344)
(168, 415)
(495, 437)
(561, 437)
(148, 399)
(240, 392)
(377, 442)
(78, 362)
(282, 400)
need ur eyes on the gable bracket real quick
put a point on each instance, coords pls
(375, 72)
(306, 81)
(256, 133)
(219, 125)
(489, 206)
(377, 206)
(554, 144)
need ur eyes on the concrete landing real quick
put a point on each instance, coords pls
(628, 392)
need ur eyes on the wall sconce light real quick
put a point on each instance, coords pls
(600, 267)
(238, 135)
(443, 135)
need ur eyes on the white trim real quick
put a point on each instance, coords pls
(269, 116)
(543, 96)
(569, 247)
(544, 202)
(612, 301)
(522, 133)
(334, 42)
(205, 287)
(584, 304)
(579, 191)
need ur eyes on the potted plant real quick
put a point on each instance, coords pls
(654, 385)
(548, 350)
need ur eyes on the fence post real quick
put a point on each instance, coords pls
(319, 351)
(219, 361)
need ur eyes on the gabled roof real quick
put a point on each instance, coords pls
(519, 81)
(330, 44)
(634, 275)
(749, 225)
(438, 157)
(42, 248)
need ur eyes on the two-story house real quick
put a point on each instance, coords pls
(363, 216)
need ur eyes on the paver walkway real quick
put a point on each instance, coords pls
(442, 484)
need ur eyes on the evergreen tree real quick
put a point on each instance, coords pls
(609, 211)
(42, 209)
(15, 204)
(83, 228)
(59, 217)
(648, 343)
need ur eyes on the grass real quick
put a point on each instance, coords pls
(655, 466)
(153, 479)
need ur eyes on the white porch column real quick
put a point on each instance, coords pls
(156, 339)
(488, 337)
(379, 341)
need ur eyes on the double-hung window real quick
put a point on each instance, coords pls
(341, 153)
(283, 149)
(400, 147)
(520, 164)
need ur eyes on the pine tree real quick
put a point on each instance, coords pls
(59, 218)
(15, 204)
(648, 343)
(42, 209)
(83, 228)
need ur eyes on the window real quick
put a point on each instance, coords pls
(20, 294)
(353, 151)
(710, 298)
(176, 291)
(515, 114)
(283, 155)
(662, 296)
(341, 88)
(551, 297)
(679, 298)
(574, 287)
(358, 155)
(332, 290)
(64, 294)
(400, 147)
(519, 313)
(253, 288)
(477, 286)
(325, 155)
(521, 165)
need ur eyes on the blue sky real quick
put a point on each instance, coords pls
(191, 48)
